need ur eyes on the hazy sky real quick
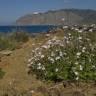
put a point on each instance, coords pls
(10, 10)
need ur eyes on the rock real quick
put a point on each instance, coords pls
(5, 52)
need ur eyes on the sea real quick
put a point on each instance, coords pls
(30, 29)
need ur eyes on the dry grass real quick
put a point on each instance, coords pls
(15, 68)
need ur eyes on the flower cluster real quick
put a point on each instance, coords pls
(72, 57)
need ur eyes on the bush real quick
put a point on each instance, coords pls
(20, 36)
(13, 41)
(71, 58)
(6, 43)
(2, 73)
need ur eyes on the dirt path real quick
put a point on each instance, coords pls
(15, 68)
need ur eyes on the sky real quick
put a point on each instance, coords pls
(11, 10)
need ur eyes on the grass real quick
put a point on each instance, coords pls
(2, 73)
(13, 41)
(16, 72)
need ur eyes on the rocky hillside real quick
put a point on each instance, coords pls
(59, 17)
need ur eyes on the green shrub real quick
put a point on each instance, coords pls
(4, 43)
(2, 73)
(20, 36)
(13, 41)
(71, 58)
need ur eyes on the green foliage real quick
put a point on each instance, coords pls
(20, 36)
(6, 43)
(71, 58)
(13, 41)
(2, 73)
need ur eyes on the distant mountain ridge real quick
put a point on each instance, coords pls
(59, 17)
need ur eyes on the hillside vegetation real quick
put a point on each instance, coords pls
(13, 40)
(60, 17)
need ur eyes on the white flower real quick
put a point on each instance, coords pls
(49, 42)
(42, 56)
(76, 63)
(91, 30)
(76, 73)
(44, 46)
(31, 63)
(90, 60)
(81, 68)
(65, 37)
(69, 34)
(29, 60)
(93, 66)
(43, 68)
(65, 53)
(57, 50)
(76, 29)
(51, 59)
(83, 51)
(90, 45)
(87, 39)
(57, 58)
(77, 78)
(72, 28)
(39, 64)
(67, 42)
(84, 48)
(80, 38)
(61, 54)
(56, 70)
(78, 54)
(64, 27)
(39, 53)
(80, 31)
(39, 67)
(52, 54)
(37, 49)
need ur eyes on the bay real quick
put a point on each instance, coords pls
(30, 29)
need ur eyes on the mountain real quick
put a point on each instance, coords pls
(59, 17)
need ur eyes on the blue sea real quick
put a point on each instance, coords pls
(30, 29)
